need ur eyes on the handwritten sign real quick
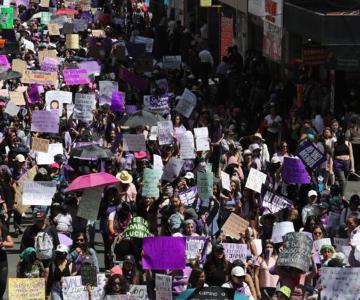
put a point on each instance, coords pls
(255, 180)
(45, 121)
(188, 196)
(149, 42)
(234, 225)
(31, 195)
(138, 227)
(280, 229)
(39, 145)
(17, 98)
(151, 180)
(172, 169)
(84, 104)
(134, 142)
(88, 275)
(165, 132)
(89, 204)
(39, 77)
(139, 292)
(19, 65)
(225, 181)
(6, 17)
(311, 156)
(202, 139)
(196, 248)
(72, 41)
(156, 104)
(76, 76)
(186, 103)
(50, 64)
(234, 251)
(106, 89)
(172, 62)
(187, 146)
(205, 184)
(273, 202)
(72, 288)
(11, 109)
(26, 288)
(163, 286)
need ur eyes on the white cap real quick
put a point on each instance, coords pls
(189, 175)
(275, 160)
(247, 152)
(312, 193)
(238, 271)
(20, 158)
(62, 248)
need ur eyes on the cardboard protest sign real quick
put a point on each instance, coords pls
(19, 65)
(149, 42)
(26, 288)
(234, 251)
(134, 142)
(163, 286)
(39, 77)
(162, 253)
(29, 175)
(272, 203)
(202, 139)
(205, 184)
(11, 109)
(76, 76)
(187, 146)
(139, 292)
(53, 29)
(6, 17)
(172, 169)
(72, 41)
(45, 121)
(234, 225)
(157, 104)
(46, 53)
(88, 275)
(106, 89)
(225, 181)
(165, 132)
(17, 98)
(294, 171)
(117, 101)
(311, 156)
(89, 204)
(187, 103)
(132, 79)
(137, 228)
(196, 248)
(255, 180)
(31, 195)
(39, 145)
(296, 253)
(72, 288)
(172, 62)
(44, 3)
(151, 180)
(188, 196)
(84, 104)
(280, 229)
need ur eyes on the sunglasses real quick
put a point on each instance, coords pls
(79, 240)
(317, 232)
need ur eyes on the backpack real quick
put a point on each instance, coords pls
(44, 245)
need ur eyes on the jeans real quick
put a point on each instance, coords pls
(341, 170)
(3, 277)
(55, 291)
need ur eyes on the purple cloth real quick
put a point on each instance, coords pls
(294, 171)
(34, 96)
(117, 102)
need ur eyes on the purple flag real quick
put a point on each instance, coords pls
(294, 171)
(33, 94)
(117, 102)
(76, 76)
(163, 252)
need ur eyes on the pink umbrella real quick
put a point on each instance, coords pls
(92, 180)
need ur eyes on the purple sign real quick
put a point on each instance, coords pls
(50, 64)
(76, 76)
(117, 102)
(45, 121)
(273, 203)
(33, 94)
(132, 79)
(311, 156)
(22, 2)
(92, 67)
(163, 252)
(294, 171)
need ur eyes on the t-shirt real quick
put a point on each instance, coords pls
(271, 122)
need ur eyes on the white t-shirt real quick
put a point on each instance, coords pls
(270, 122)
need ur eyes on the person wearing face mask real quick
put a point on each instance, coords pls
(265, 282)
(237, 282)
(311, 208)
(59, 268)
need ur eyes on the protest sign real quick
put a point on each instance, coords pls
(188, 196)
(196, 248)
(352, 188)
(216, 293)
(72, 288)
(80, 25)
(165, 132)
(187, 146)
(84, 104)
(68, 28)
(172, 169)
(44, 3)
(106, 89)
(205, 184)
(76, 76)
(39, 77)
(50, 64)
(163, 287)
(187, 103)
(17, 98)
(255, 180)
(88, 275)
(53, 29)
(234, 251)
(11, 109)
(46, 53)
(137, 228)
(72, 41)
(98, 33)
(32, 196)
(157, 162)
(29, 175)
(4, 63)
(19, 65)
(45, 121)
(319, 243)
(163, 252)
(45, 17)
(311, 156)
(134, 142)
(179, 132)
(55, 100)
(6, 17)
(339, 243)
(225, 181)
(156, 104)
(139, 292)
(234, 225)
(280, 229)
(340, 283)
(48, 158)
(294, 171)
(151, 181)
(273, 202)
(296, 253)
(117, 101)
(91, 67)
(132, 79)
(39, 145)
(149, 42)
(89, 203)
(202, 139)
(171, 62)
(26, 288)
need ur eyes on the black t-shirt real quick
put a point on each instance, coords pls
(4, 233)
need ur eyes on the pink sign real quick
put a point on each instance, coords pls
(76, 76)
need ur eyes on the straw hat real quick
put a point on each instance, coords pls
(124, 177)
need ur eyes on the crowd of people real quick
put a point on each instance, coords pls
(254, 121)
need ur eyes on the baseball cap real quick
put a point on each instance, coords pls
(39, 216)
(62, 248)
(20, 158)
(238, 271)
(312, 193)
(54, 166)
(218, 247)
(189, 175)
(116, 271)
(286, 291)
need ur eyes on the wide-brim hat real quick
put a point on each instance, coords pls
(124, 177)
